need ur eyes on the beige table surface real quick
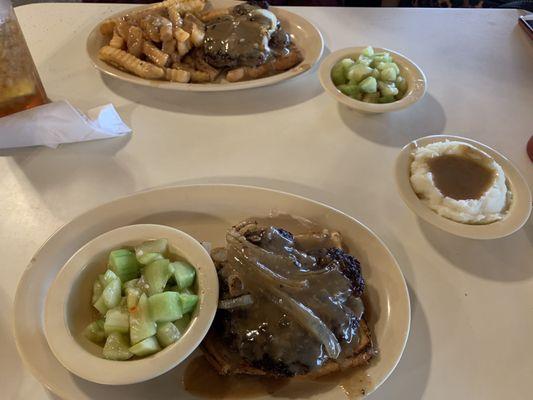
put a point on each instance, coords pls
(472, 301)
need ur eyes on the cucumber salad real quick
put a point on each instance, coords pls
(144, 301)
(370, 77)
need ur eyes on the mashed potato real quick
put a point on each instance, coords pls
(489, 207)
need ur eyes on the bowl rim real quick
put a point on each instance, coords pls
(519, 210)
(97, 369)
(416, 80)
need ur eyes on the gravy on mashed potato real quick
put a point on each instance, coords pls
(460, 182)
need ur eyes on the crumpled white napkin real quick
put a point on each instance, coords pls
(59, 122)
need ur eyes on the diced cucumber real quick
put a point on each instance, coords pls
(124, 263)
(388, 74)
(369, 85)
(381, 57)
(337, 75)
(148, 258)
(371, 97)
(95, 331)
(387, 89)
(141, 323)
(98, 288)
(401, 84)
(153, 246)
(184, 274)
(133, 283)
(117, 347)
(111, 293)
(358, 72)
(395, 66)
(145, 347)
(188, 302)
(165, 307)
(376, 73)
(182, 324)
(349, 90)
(156, 275)
(362, 59)
(117, 320)
(368, 52)
(386, 99)
(167, 333)
(100, 305)
(106, 278)
(132, 297)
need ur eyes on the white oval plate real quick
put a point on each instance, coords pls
(416, 81)
(518, 212)
(304, 34)
(204, 212)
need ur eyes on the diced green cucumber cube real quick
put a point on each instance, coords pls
(95, 331)
(381, 57)
(349, 90)
(117, 347)
(188, 302)
(183, 323)
(387, 89)
(165, 307)
(111, 293)
(184, 274)
(376, 73)
(156, 275)
(167, 333)
(386, 99)
(133, 283)
(388, 74)
(395, 66)
(382, 65)
(362, 59)
(117, 320)
(100, 305)
(148, 258)
(401, 84)
(159, 246)
(369, 85)
(141, 323)
(124, 263)
(337, 75)
(106, 278)
(371, 97)
(132, 297)
(368, 52)
(98, 288)
(358, 72)
(146, 347)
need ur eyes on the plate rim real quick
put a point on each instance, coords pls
(59, 391)
(495, 230)
(298, 70)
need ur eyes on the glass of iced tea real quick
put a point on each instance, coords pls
(20, 85)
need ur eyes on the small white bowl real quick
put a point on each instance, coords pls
(518, 212)
(416, 81)
(68, 308)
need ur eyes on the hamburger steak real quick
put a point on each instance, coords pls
(290, 302)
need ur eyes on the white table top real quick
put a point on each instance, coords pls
(472, 300)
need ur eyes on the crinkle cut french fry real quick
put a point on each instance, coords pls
(235, 75)
(116, 41)
(287, 61)
(157, 28)
(169, 47)
(154, 54)
(135, 41)
(174, 15)
(107, 27)
(181, 35)
(130, 63)
(199, 76)
(178, 75)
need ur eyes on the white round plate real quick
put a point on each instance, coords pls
(416, 81)
(304, 35)
(204, 212)
(518, 212)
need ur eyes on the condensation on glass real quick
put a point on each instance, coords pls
(20, 85)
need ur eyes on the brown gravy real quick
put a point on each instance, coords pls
(200, 379)
(460, 177)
